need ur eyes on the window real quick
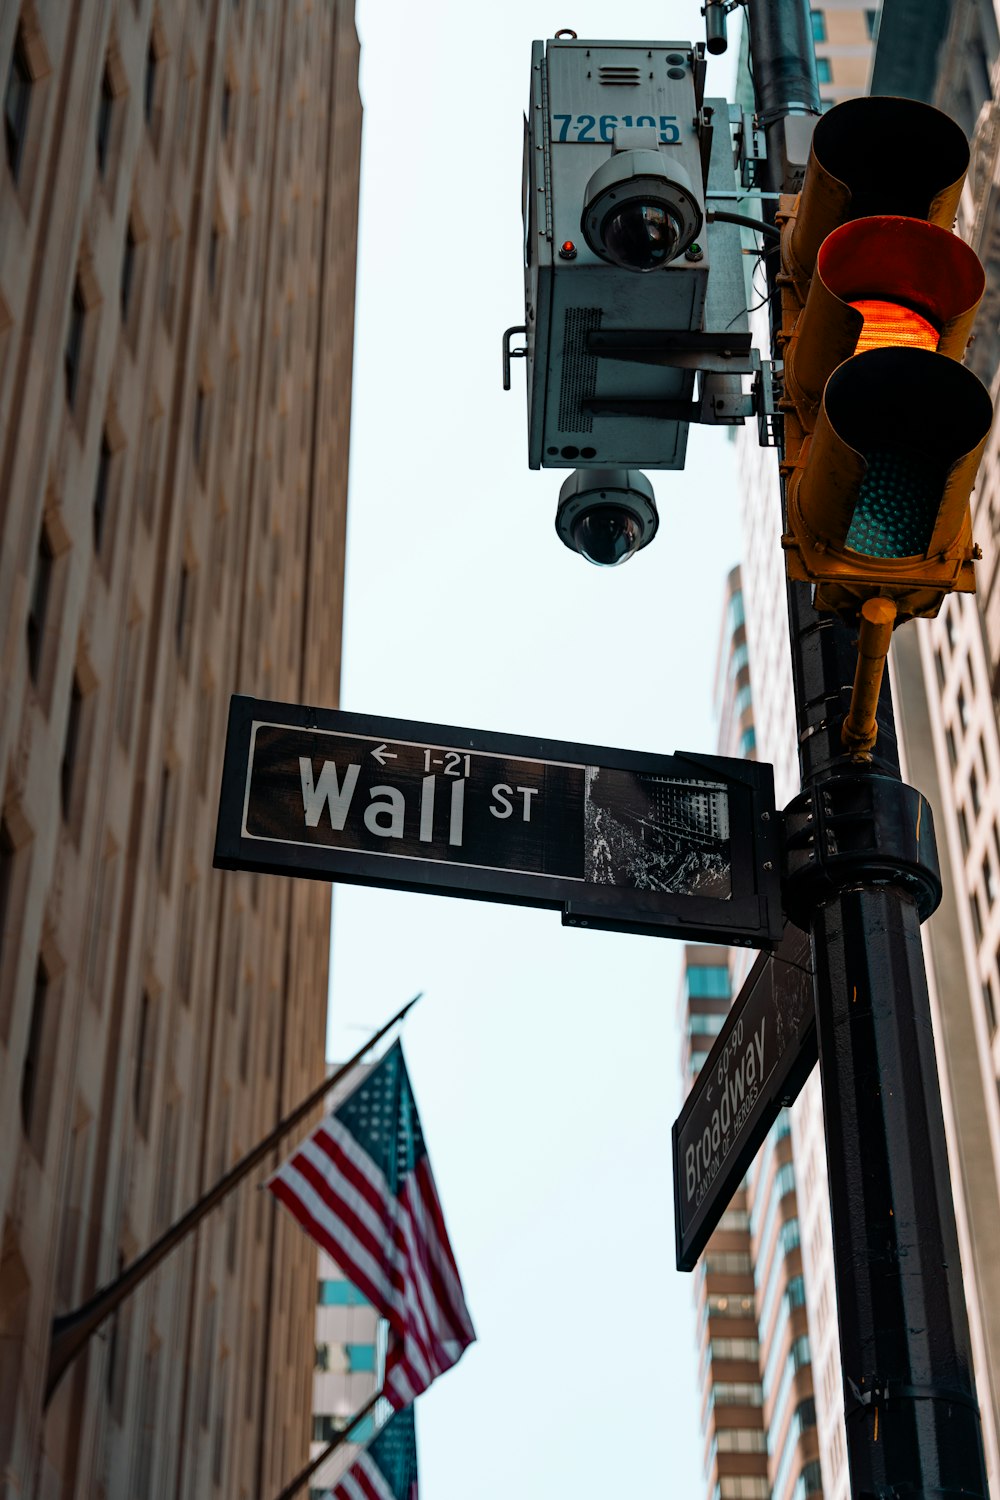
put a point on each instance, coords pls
(737, 1393)
(168, 274)
(977, 918)
(360, 1358)
(165, 820)
(989, 884)
(735, 1349)
(213, 258)
(949, 737)
(963, 829)
(817, 19)
(184, 615)
(989, 1007)
(17, 99)
(105, 111)
(748, 741)
(101, 487)
(871, 23)
(199, 434)
(71, 745)
(720, 1305)
(30, 1072)
(708, 982)
(789, 1236)
(339, 1294)
(74, 342)
(974, 792)
(40, 590)
(963, 708)
(727, 1263)
(322, 1357)
(149, 83)
(128, 271)
(748, 1487)
(824, 72)
(741, 1440)
(142, 1082)
(795, 1292)
(702, 1025)
(325, 1427)
(810, 1480)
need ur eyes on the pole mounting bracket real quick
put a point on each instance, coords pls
(858, 829)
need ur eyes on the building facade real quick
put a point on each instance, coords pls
(349, 1360)
(178, 196)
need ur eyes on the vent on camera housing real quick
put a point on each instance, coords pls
(627, 77)
(579, 369)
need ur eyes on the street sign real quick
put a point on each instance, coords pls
(676, 845)
(759, 1062)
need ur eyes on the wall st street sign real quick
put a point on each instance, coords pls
(678, 845)
(761, 1058)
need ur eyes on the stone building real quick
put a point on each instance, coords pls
(178, 224)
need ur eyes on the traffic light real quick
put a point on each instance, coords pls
(884, 427)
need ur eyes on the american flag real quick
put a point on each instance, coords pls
(362, 1186)
(387, 1469)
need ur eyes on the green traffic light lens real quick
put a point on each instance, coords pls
(897, 504)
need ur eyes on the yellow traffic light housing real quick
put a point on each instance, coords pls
(884, 428)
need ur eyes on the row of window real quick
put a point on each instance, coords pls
(819, 29)
(708, 981)
(742, 1487)
(339, 1293)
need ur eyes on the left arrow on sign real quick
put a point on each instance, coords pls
(382, 754)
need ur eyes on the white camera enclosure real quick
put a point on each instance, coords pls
(626, 113)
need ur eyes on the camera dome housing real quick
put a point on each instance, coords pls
(640, 210)
(606, 515)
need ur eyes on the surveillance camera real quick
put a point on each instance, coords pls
(606, 514)
(640, 211)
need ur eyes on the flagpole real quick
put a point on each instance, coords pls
(294, 1485)
(70, 1331)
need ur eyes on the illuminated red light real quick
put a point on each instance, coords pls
(567, 250)
(891, 325)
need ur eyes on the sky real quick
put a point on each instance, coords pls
(544, 1059)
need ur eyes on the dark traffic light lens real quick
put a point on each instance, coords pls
(640, 236)
(897, 504)
(607, 535)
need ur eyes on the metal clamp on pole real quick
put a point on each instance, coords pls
(858, 829)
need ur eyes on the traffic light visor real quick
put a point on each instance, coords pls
(930, 275)
(875, 155)
(881, 282)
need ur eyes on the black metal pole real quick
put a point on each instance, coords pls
(862, 874)
(72, 1330)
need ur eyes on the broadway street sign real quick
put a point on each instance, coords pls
(761, 1058)
(678, 845)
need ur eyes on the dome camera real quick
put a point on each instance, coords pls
(640, 211)
(606, 514)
